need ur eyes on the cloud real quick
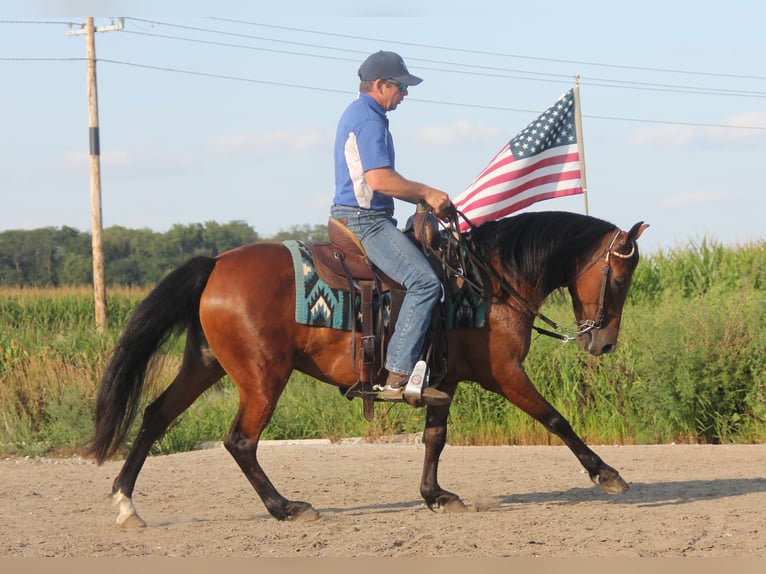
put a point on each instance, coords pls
(672, 136)
(686, 198)
(744, 128)
(144, 161)
(73, 163)
(268, 143)
(150, 159)
(460, 132)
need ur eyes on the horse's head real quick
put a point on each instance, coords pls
(600, 288)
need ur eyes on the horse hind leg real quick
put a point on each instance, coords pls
(244, 452)
(434, 438)
(257, 404)
(199, 371)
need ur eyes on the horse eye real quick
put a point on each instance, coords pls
(619, 283)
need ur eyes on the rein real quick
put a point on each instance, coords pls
(559, 332)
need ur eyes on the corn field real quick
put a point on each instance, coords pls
(690, 367)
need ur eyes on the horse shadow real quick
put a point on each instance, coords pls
(641, 494)
(646, 494)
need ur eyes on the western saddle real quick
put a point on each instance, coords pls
(343, 264)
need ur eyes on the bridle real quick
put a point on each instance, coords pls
(589, 324)
(559, 332)
(586, 325)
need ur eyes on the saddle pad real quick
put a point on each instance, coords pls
(319, 305)
(316, 303)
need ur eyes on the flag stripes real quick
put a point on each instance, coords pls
(541, 162)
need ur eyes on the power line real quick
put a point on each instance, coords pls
(56, 22)
(389, 40)
(256, 48)
(541, 76)
(489, 53)
(455, 104)
(555, 78)
(238, 35)
(27, 59)
(222, 76)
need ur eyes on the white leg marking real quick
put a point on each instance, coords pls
(128, 516)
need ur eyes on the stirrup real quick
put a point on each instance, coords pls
(416, 392)
(414, 389)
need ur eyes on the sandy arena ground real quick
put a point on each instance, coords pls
(702, 501)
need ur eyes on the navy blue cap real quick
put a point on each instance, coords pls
(387, 66)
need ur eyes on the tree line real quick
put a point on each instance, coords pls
(53, 256)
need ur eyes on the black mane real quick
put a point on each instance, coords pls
(542, 247)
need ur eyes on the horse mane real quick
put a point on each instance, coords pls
(541, 247)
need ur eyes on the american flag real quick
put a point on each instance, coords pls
(541, 162)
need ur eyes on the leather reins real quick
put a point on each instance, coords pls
(559, 332)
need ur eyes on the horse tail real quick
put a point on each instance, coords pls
(169, 308)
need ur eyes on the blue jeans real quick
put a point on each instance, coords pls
(398, 257)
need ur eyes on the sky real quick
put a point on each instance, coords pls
(232, 117)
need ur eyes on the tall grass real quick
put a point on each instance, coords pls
(50, 354)
(690, 367)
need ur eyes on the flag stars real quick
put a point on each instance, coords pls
(555, 126)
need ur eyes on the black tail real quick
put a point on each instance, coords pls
(170, 307)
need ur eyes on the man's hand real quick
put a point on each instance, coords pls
(439, 202)
(389, 182)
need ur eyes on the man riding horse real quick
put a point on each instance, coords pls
(366, 183)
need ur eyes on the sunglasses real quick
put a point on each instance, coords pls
(402, 87)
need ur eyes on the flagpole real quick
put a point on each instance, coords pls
(580, 145)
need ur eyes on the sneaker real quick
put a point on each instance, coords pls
(393, 391)
(389, 393)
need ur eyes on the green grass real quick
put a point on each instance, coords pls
(690, 367)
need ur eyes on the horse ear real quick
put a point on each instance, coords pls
(629, 245)
(636, 231)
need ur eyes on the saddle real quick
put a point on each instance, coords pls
(343, 264)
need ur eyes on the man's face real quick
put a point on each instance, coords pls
(391, 94)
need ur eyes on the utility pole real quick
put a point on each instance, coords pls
(97, 228)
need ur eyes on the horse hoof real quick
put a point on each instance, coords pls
(127, 517)
(302, 512)
(612, 485)
(447, 504)
(454, 506)
(130, 521)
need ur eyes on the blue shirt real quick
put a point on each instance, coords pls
(362, 143)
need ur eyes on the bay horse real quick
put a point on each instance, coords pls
(238, 312)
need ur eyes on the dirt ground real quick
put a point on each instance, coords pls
(703, 501)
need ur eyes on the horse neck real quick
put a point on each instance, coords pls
(530, 288)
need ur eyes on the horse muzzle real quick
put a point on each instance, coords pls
(598, 341)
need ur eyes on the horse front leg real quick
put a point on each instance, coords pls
(600, 473)
(521, 392)
(434, 438)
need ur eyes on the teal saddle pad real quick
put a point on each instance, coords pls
(319, 305)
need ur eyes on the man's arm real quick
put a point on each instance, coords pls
(389, 182)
